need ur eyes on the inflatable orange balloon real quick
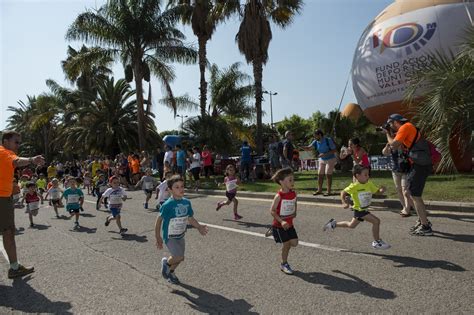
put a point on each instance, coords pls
(352, 111)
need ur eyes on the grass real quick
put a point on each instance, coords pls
(438, 187)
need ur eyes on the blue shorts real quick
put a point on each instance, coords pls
(115, 211)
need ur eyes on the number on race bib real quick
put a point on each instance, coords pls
(33, 206)
(287, 207)
(55, 195)
(177, 226)
(148, 185)
(72, 199)
(115, 199)
(365, 198)
(231, 185)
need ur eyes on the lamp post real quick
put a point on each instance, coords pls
(271, 105)
(182, 119)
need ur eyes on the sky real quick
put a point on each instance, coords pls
(309, 61)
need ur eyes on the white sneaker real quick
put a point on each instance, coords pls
(330, 225)
(380, 245)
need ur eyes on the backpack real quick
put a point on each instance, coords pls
(424, 152)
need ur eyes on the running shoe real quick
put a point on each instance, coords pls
(20, 272)
(172, 278)
(418, 224)
(269, 232)
(219, 205)
(107, 222)
(330, 225)
(32, 225)
(237, 217)
(76, 225)
(123, 231)
(165, 269)
(380, 245)
(145, 205)
(82, 209)
(286, 268)
(423, 231)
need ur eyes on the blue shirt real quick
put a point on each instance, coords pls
(72, 197)
(324, 146)
(245, 150)
(181, 158)
(175, 214)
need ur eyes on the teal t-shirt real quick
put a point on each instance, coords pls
(175, 214)
(72, 197)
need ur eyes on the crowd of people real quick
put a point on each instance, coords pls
(165, 174)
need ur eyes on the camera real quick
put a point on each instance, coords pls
(383, 127)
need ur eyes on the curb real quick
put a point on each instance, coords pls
(333, 200)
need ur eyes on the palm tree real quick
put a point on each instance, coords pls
(143, 37)
(204, 16)
(254, 37)
(446, 111)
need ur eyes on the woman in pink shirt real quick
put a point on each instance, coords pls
(206, 156)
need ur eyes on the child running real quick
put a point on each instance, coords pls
(148, 183)
(162, 192)
(16, 194)
(87, 182)
(32, 199)
(41, 184)
(74, 200)
(172, 221)
(360, 192)
(231, 184)
(116, 195)
(283, 211)
(100, 188)
(55, 194)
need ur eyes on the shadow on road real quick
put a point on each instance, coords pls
(20, 231)
(466, 238)
(83, 229)
(40, 227)
(131, 237)
(352, 285)
(207, 302)
(87, 215)
(413, 262)
(249, 224)
(460, 217)
(22, 297)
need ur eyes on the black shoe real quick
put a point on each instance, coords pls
(20, 272)
(107, 222)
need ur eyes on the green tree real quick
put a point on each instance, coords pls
(253, 39)
(204, 16)
(143, 37)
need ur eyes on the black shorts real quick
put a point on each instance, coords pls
(148, 192)
(417, 179)
(208, 170)
(55, 202)
(195, 171)
(360, 214)
(71, 211)
(230, 195)
(7, 214)
(280, 235)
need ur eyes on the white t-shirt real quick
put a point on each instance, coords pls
(168, 157)
(196, 162)
(163, 193)
(115, 196)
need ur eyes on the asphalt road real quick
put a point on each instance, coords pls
(235, 269)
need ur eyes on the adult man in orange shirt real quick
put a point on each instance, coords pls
(8, 162)
(406, 133)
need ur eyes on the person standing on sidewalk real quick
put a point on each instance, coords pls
(8, 162)
(407, 135)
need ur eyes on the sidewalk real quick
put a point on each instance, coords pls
(386, 203)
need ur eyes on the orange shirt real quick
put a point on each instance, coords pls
(135, 166)
(406, 134)
(6, 171)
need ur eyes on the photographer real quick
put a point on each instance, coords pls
(400, 168)
(407, 136)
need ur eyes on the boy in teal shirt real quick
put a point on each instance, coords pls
(174, 216)
(74, 200)
(360, 191)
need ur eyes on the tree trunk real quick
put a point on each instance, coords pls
(140, 109)
(46, 142)
(202, 69)
(258, 74)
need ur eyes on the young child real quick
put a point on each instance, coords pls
(41, 184)
(87, 182)
(162, 192)
(16, 194)
(55, 194)
(100, 187)
(148, 183)
(116, 195)
(170, 227)
(74, 200)
(360, 192)
(32, 199)
(231, 184)
(283, 210)
(24, 180)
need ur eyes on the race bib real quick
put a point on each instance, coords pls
(231, 185)
(365, 198)
(55, 195)
(115, 199)
(33, 205)
(177, 226)
(287, 207)
(16, 197)
(87, 181)
(102, 189)
(72, 199)
(148, 185)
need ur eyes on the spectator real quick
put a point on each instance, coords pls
(326, 148)
(181, 162)
(196, 167)
(288, 148)
(359, 155)
(408, 136)
(168, 157)
(160, 156)
(8, 162)
(274, 153)
(245, 161)
(207, 161)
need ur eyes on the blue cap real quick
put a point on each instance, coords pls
(396, 117)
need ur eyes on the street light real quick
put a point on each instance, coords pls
(182, 119)
(271, 105)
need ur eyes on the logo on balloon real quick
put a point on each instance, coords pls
(409, 37)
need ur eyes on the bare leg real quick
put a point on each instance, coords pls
(346, 224)
(174, 262)
(329, 183)
(284, 251)
(10, 245)
(236, 204)
(375, 225)
(320, 182)
(420, 209)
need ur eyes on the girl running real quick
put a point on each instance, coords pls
(231, 184)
